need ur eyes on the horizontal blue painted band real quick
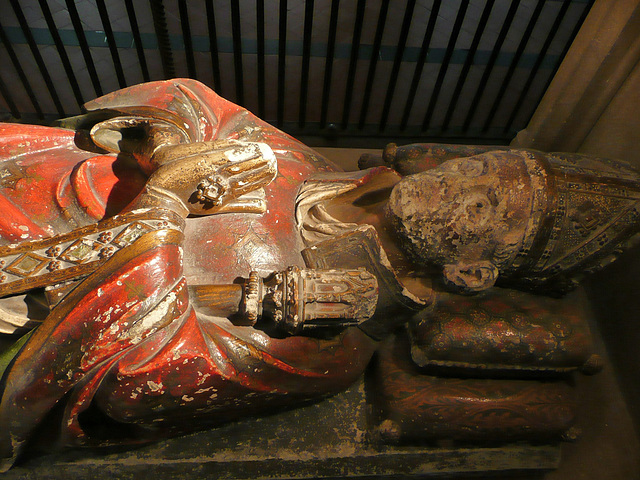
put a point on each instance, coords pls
(98, 39)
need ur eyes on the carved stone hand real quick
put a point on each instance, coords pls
(210, 177)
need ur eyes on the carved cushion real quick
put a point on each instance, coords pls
(503, 330)
(416, 406)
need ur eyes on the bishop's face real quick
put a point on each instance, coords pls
(466, 210)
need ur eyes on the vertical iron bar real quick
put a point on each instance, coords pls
(543, 52)
(111, 41)
(21, 74)
(395, 71)
(514, 63)
(237, 51)
(422, 57)
(445, 64)
(6, 94)
(64, 58)
(572, 37)
(137, 39)
(282, 53)
(328, 69)
(468, 62)
(306, 54)
(377, 41)
(261, 53)
(36, 55)
(84, 46)
(213, 46)
(186, 38)
(353, 61)
(506, 25)
(162, 33)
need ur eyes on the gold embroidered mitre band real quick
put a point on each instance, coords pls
(585, 210)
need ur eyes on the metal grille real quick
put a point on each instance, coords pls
(347, 73)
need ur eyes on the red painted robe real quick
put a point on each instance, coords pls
(136, 354)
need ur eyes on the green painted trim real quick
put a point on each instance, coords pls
(10, 353)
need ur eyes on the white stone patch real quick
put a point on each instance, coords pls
(153, 386)
(203, 390)
(151, 320)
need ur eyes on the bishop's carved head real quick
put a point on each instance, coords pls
(522, 218)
